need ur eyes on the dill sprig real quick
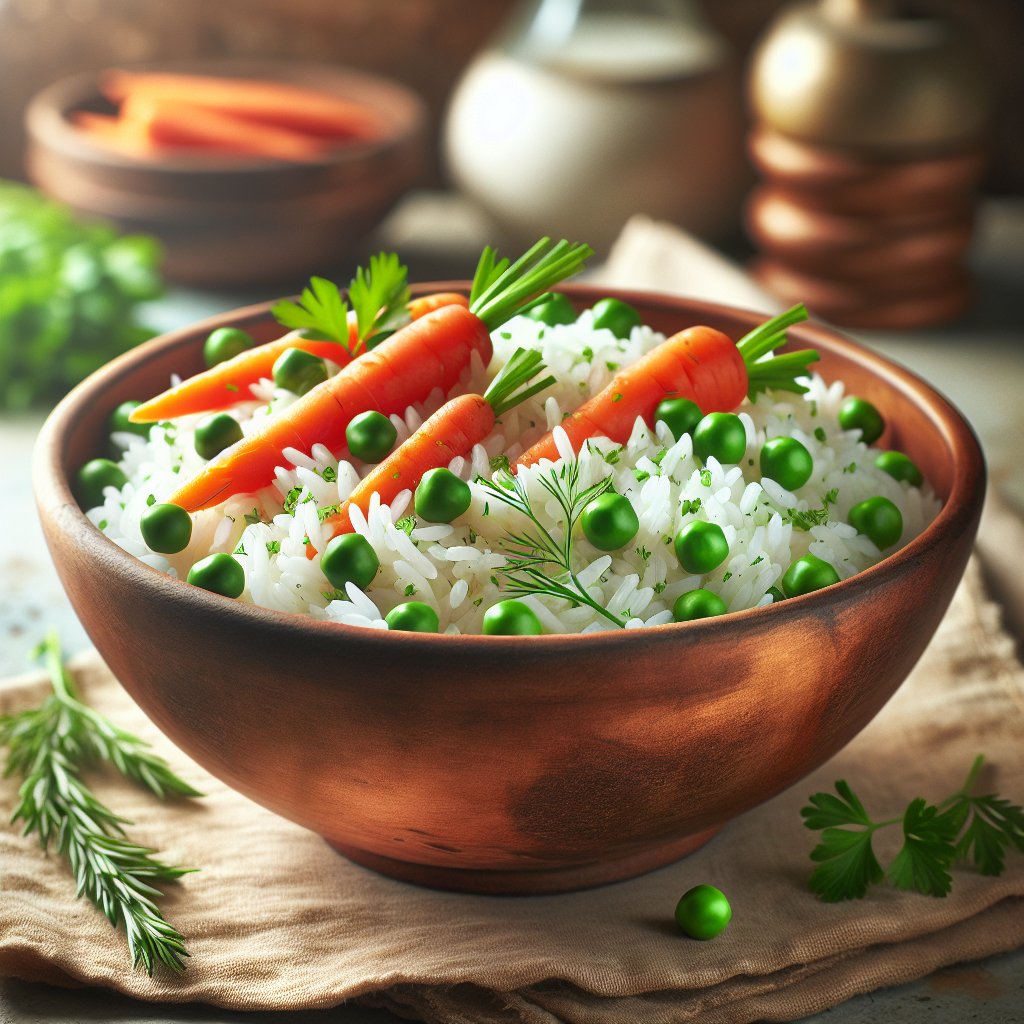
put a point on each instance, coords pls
(930, 845)
(48, 746)
(533, 554)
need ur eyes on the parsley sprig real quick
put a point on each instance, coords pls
(930, 845)
(48, 746)
(378, 296)
(533, 554)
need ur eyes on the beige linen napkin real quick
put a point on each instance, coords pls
(276, 920)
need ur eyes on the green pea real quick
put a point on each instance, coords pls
(899, 467)
(93, 477)
(220, 574)
(680, 415)
(701, 547)
(370, 436)
(413, 617)
(697, 604)
(511, 618)
(119, 421)
(808, 574)
(879, 520)
(166, 528)
(722, 435)
(703, 912)
(298, 370)
(557, 310)
(618, 316)
(786, 461)
(609, 521)
(441, 496)
(856, 412)
(215, 433)
(225, 343)
(349, 558)
(777, 595)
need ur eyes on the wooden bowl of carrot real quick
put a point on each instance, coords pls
(510, 764)
(248, 171)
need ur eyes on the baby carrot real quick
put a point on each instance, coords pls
(452, 431)
(700, 364)
(430, 353)
(223, 385)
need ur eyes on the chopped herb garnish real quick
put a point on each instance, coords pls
(494, 580)
(273, 547)
(327, 510)
(103, 524)
(506, 335)
(476, 603)
(617, 397)
(612, 457)
(705, 477)
(334, 595)
(410, 590)
(500, 462)
(727, 577)
(813, 517)
(831, 496)
(292, 499)
(407, 524)
(760, 558)
(643, 553)
(151, 500)
(487, 508)
(659, 587)
(330, 474)
(641, 475)
(851, 468)
(611, 366)
(666, 540)
(305, 540)
(819, 433)
(685, 508)
(231, 387)
(588, 354)
(657, 460)
(252, 517)
(814, 407)
(239, 550)
(472, 535)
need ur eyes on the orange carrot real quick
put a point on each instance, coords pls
(113, 133)
(428, 303)
(227, 383)
(171, 123)
(452, 431)
(700, 364)
(429, 353)
(276, 104)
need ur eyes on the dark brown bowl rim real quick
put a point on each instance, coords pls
(967, 487)
(46, 121)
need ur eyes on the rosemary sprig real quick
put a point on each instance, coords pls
(532, 554)
(48, 746)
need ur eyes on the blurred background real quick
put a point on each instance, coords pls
(863, 156)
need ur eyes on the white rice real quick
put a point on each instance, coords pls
(454, 568)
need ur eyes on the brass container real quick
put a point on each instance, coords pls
(871, 139)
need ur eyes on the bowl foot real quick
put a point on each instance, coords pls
(528, 882)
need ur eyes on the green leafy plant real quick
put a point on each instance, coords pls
(537, 561)
(68, 292)
(378, 296)
(49, 746)
(930, 845)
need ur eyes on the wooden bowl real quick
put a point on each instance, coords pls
(510, 764)
(235, 220)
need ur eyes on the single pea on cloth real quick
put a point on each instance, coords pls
(275, 919)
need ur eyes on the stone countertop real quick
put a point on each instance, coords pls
(978, 363)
